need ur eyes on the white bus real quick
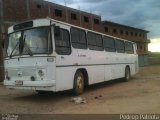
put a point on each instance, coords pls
(49, 55)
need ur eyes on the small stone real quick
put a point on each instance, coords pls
(100, 95)
(79, 100)
(96, 97)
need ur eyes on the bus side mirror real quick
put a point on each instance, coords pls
(57, 31)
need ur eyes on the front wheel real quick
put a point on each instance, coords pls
(78, 86)
(127, 74)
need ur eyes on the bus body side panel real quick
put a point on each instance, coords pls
(95, 63)
(115, 66)
(100, 65)
(109, 67)
(91, 61)
(64, 73)
(64, 78)
(121, 63)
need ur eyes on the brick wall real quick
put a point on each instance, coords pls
(38, 9)
(128, 33)
(73, 17)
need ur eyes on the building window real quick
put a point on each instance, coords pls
(140, 35)
(126, 32)
(96, 21)
(121, 32)
(114, 30)
(86, 19)
(73, 16)
(145, 47)
(106, 29)
(58, 13)
(141, 47)
(39, 6)
(135, 34)
(131, 33)
(137, 46)
(143, 35)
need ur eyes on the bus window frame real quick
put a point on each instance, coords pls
(86, 40)
(96, 42)
(49, 53)
(68, 38)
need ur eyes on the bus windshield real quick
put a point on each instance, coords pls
(29, 42)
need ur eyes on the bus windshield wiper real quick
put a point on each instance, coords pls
(14, 49)
(20, 44)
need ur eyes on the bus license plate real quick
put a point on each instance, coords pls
(19, 83)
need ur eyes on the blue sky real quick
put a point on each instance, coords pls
(143, 14)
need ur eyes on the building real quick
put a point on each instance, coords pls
(130, 33)
(15, 11)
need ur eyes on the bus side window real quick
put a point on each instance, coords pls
(78, 38)
(129, 47)
(62, 42)
(120, 47)
(109, 44)
(95, 41)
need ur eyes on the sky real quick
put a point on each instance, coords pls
(143, 14)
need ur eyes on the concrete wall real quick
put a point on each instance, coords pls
(143, 60)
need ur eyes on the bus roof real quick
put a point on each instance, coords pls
(48, 21)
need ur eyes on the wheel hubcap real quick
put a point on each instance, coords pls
(79, 82)
(127, 76)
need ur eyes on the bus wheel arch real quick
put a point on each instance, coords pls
(80, 81)
(127, 73)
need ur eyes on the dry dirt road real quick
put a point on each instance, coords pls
(140, 95)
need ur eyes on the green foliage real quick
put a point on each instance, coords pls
(154, 54)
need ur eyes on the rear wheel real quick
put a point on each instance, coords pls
(127, 74)
(78, 86)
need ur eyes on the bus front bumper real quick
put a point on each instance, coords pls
(18, 83)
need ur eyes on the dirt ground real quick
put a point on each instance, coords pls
(140, 95)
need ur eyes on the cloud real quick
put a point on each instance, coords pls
(154, 46)
(143, 14)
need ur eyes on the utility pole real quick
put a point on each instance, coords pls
(65, 3)
(79, 8)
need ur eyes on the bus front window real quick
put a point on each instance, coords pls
(35, 41)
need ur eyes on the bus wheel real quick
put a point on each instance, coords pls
(78, 87)
(127, 74)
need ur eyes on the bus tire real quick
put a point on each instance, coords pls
(78, 86)
(127, 74)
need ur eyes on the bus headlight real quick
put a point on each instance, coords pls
(33, 78)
